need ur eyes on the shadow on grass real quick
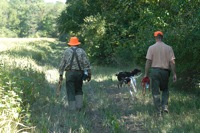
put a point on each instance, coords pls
(116, 111)
(113, 108)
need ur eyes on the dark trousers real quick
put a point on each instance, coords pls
(74, 84)
(160, 80)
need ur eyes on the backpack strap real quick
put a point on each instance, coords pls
(70, 67)
(76, 56)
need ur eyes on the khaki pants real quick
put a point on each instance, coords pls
(160, 79)
(74, 84)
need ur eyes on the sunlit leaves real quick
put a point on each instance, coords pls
(118, 27)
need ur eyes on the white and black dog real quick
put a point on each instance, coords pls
(125, 77)
(130, 79)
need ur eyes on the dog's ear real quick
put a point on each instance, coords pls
(134, 71)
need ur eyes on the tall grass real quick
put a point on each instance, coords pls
(21, 79)
(17, 87)
(29, 76)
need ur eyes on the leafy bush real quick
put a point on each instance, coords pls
(4, 32)
(118, 32)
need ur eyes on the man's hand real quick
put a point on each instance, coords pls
(61, 78)
(172, 65)
(174, 78)
(89, 77)
(147, 67)
(59, 86)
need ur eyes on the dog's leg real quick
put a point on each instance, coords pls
(131, 94)
(118, 85)
(121, 82)
(133, 84)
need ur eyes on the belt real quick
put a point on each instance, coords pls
(74, 70)
(158, 68)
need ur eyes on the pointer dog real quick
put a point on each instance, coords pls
(125, 77)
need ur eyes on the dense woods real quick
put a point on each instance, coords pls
(119, 32)
(29, 18)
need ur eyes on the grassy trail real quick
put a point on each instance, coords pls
(107, 109)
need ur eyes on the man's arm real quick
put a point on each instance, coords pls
(86, 64)
(173, 68)
(62, 65)
(147, 67)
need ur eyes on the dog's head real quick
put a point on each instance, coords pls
(135, 71)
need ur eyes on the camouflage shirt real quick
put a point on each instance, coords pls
(66, 60)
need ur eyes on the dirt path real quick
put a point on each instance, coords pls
(106, 108)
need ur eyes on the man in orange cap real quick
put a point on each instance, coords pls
(160, 58)
(74, 62)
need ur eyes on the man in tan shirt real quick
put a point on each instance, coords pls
(160, 58)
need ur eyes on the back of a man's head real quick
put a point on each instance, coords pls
(159, 37)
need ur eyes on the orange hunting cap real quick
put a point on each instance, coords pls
(158, 33)
(74, 41)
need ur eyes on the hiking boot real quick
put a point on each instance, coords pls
(165, 110)
(158, 116)
(72, 106)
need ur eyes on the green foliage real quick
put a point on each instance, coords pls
(72, 18)
(119, 33)
(104, 29)
(4, 9)
(4, 32)
(20, 18)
